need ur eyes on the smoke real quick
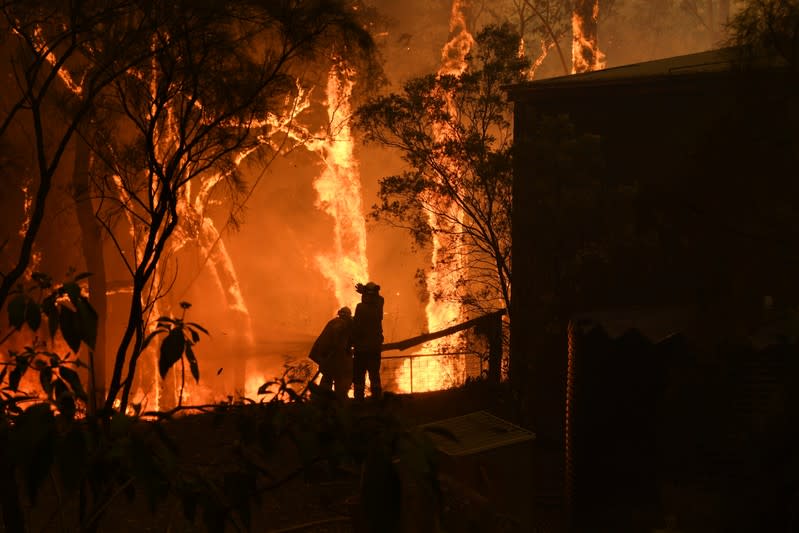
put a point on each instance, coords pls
(274, 250)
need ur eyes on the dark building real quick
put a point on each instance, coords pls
(665, 189)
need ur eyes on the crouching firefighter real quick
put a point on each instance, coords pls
(332, 351)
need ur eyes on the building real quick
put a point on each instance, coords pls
(666, 184)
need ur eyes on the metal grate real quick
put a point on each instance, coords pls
(475, 432)
(428, 372)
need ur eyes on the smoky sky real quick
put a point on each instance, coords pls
(273, 250)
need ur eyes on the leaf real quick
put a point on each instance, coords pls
(193, 366)
(61, 388)
(3, 373)
(73, 380)
(16, 311)
(196, 325)
(72, 289)
(43, 280)
(263, 389)
(33, 315)
(15, 377)
(50, 309)
(70, 328)
(88, 321)
(195, 337)
(82, 275)
(46, 380)
(171, 351)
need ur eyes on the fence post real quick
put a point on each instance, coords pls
(410, 361)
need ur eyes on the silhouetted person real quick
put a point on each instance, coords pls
(367, 339)
(332, 352)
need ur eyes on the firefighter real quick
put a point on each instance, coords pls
(367, 340)
(332, 351)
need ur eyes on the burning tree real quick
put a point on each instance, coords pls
(57, 87)
(192, 117)
(470, 168)
(167, 100)
(586, 55)
(542, 24)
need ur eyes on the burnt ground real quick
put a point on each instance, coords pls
(491, 491)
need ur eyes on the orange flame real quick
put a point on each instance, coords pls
(442, 310)
(339, 191)
(586, 55)
(442, 281)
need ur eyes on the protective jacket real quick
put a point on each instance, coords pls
(367, 332)
(331, 350)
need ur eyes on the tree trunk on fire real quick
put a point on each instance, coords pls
(92, 244)
(585, 49)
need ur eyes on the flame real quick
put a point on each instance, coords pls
(442, 280)
(339, 191)
(446, 257)
(586, 55)
(45, 51)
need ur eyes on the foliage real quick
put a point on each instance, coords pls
(770, 26)
(469, 166)
(178, 345)
(163, 96)
(545, 25)
(222, 96)
(181, 336)
(284, 388)
(94, 460)
(66, 311)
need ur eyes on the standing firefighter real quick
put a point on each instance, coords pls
(332, 352)
(367, 339)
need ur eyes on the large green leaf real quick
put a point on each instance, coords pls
(171, 351)
(193, 366)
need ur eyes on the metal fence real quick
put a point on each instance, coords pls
(423, 372)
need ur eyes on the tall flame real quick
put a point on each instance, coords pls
(442, 309)
(339, 191)
(586, 55)
(443, 278)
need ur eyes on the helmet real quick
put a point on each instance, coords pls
(345, 312)
(370, 287)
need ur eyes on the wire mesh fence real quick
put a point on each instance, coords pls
(424, 372)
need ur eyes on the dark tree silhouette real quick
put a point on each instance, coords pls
(470, 167)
